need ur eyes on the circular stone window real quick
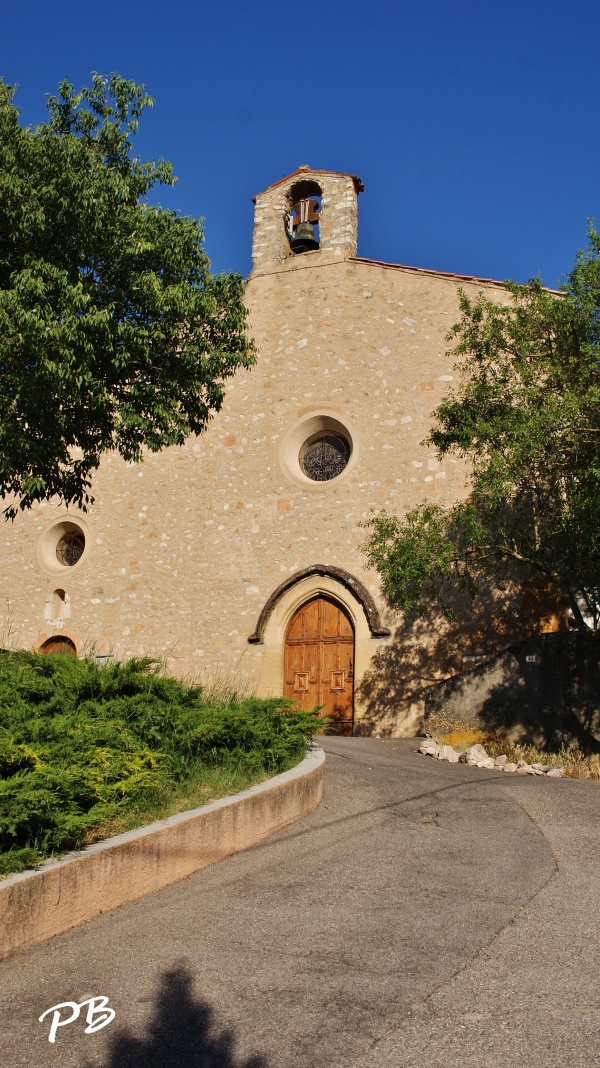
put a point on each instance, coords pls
(324, 456)
(70, 547)
(318, 448)
(62, 546)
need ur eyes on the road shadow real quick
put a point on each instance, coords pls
(182, 1033)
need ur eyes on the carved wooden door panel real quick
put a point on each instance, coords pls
(319, 661)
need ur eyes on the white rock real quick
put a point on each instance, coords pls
(523, 768)
(542, 768)
(473, 754)
(487, 762)
(509, 767)
(500, 761)
(429, 747)
(448, 753)
(555, 773)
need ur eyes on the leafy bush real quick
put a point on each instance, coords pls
(80, 744)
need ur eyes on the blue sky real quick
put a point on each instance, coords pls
(474, 126)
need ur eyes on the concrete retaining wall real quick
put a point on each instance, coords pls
(35, 906)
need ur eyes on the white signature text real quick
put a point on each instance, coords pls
(98, 1015)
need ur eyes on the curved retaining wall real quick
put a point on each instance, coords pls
(62, 894)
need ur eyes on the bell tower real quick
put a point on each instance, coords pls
(307, 217)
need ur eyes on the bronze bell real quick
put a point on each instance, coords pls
(304, 239)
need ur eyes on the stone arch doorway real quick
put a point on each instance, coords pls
(319, 661)
(298, 589)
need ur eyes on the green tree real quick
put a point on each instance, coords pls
(114, 335)
(526, 417)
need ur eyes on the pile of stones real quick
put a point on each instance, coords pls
(477, 757)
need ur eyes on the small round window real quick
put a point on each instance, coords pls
(70, 547)
(324, 456)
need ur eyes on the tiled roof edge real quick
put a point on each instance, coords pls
(440, 274)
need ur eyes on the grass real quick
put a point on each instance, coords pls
(87, 751)
(577, 763)
(205, 785)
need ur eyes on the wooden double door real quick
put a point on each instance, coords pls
(319, 661)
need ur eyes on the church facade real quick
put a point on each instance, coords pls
(239, 554)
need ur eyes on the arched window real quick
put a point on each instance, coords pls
(58, 607)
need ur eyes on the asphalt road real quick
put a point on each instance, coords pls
(426, 915)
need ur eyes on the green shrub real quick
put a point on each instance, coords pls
(80, 743)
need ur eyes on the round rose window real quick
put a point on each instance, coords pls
(324, 456)
(70, 547)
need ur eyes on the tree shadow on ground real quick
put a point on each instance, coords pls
(182, 1033)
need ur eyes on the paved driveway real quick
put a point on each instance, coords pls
(427, 914)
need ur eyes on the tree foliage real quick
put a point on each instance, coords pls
(114, 335)
(526, 417)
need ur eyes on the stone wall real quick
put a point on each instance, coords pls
(542, 690)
